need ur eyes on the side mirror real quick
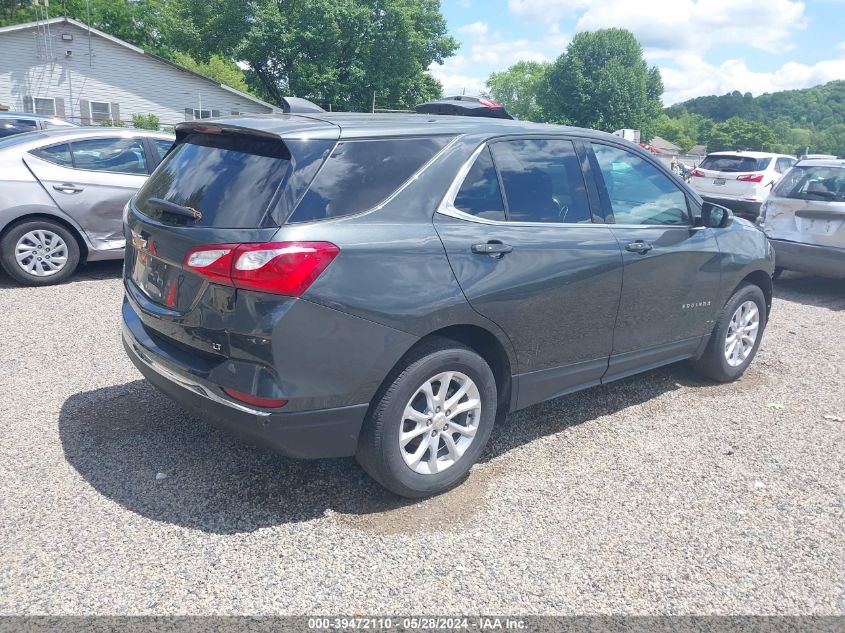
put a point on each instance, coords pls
(714, 216)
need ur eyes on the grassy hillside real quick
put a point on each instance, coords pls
(798, 119)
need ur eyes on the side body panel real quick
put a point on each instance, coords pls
(556, 295)
(95, 199)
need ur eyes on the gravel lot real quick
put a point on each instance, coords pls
(659, 494)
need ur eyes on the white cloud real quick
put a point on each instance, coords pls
(491, 51)
(455, 82)
(692, 76)
(679, 25)
(475, 29)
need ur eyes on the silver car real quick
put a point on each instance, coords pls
(804, 218)
(62, 194)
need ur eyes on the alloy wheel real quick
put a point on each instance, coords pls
(742, 333)
(439, 422)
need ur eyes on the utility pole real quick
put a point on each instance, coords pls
(374, 101)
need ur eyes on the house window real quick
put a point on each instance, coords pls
(202, 114)
(45, 106)
(100, 111)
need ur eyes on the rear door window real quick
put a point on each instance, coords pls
(359, 175)
(120, 155)
(232, 180)
(480, 194)
(735, 163)
(542, 180)
(56, 154)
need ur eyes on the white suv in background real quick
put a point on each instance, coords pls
(739, 180)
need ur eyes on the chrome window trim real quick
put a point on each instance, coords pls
(447, 206)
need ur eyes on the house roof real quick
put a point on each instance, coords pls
(65, 20)
(663, 145)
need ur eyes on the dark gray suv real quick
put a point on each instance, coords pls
(385, 286)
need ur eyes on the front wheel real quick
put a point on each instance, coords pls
(430, 424)
(736, 337)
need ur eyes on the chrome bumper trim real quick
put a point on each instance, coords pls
(187, 383)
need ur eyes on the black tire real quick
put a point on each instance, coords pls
(713, 364)
(777, 273)
(10, 240)
(379, 452)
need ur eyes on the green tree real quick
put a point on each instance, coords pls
(602, 81)
(218, 68)
(673, 130)
(517, 88)
(334, 52)
(739, 134)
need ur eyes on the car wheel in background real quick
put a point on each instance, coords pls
(736, 337)
(39, 252)
(429, 423)
(777, 273)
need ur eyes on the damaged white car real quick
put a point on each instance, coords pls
(62, 194)
(804, 218)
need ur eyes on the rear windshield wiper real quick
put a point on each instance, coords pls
(176, 209)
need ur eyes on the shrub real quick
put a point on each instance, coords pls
(145, 121)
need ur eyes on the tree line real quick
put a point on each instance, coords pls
(602, 81)
(342, 53)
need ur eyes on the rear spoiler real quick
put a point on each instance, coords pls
(295, 105)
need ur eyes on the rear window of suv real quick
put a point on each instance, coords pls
(813, 182)
(735, 163)
(359, 175)
(232, 180)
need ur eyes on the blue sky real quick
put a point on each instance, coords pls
(701, 46)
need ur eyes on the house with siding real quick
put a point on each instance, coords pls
(62, 67)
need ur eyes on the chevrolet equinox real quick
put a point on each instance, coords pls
(386, 286)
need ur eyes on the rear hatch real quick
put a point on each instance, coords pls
(732, 175)
(221, 183)
(808, 206)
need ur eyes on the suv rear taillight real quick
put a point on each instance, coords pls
(751, 178)
(283, 268)
(696, 174)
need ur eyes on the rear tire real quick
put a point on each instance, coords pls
(418, 441)
(39, 252)
(736, 336)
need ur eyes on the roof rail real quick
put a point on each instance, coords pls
(294, 105)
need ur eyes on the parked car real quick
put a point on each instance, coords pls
(740, 181)
(62, 194)
(386, 286)
(464, 106)
(804, 218)
(21, 122)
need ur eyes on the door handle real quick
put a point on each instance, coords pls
(67, 188)
(492, 248)
(639, 247)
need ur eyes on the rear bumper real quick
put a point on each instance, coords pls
(304, 434)
(741, 207)
(825, 261)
